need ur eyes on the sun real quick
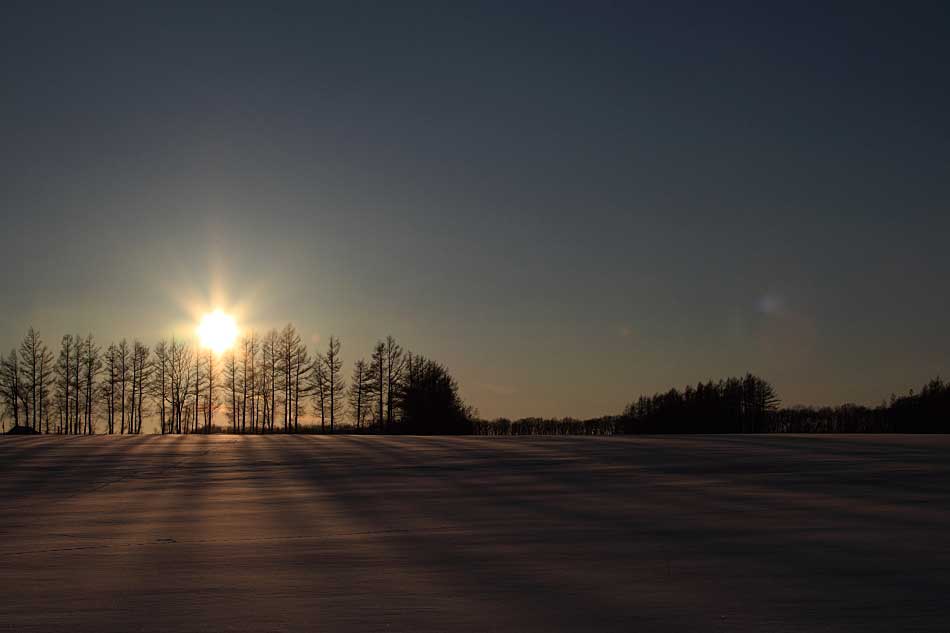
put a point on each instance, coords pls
(217, 331)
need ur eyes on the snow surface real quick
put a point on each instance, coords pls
(357, 533)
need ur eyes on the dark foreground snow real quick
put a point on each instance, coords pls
(478, 534)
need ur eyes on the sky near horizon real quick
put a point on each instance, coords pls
(568, 204)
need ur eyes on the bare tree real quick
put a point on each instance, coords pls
(75, 371)
(133, 359)
(29, 360)
(112, 372)
(301, 388)
(64, 379)
(335, 383)
(179, 380)
(264, 386)
(288, 344)
(124, 371)
(319, 388)
(272, 362)
(159, 382)
(377, 369)
(197, 389)
(232, 379)
(141, 371)
(36, 365)
(210, 401)
(92, 366)
(253, 388)
(45, 385)
(360, 385)
(10, 385)
(394, 369)
(248, 351)
(140, 368)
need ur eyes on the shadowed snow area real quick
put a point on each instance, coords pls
(356, 533)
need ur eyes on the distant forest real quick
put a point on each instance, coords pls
(272, 383)
(746, 405)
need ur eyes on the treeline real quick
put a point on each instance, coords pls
(269, 383)
(745, 405)
(734, 405)
(926, 411)
(273, 383)
(608, 425)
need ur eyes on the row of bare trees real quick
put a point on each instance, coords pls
(268, 383)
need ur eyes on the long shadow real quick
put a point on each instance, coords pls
(164, 566)
(723, 530)
(90, 575)
(336, 556)
(530, 534)
(464, 552)
(64, 471)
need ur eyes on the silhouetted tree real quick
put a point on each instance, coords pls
(927, 411)
(211, 379)
(430, 402)
(45, 385)
(250, 363)
(302, 364)
(272, 361)
(10, 391)
(36, 365)
(394, 368)
(123, 364)
(64, 382)
(179, 379)
(265, 381)
(159, 384)
(292, 360)
(76, 371)
(319, 388)
(139, 369)
(335, 385)
(377, 369)
(109, 388)
(605, 425)
(734, 405)
(360, 385)
(231, 380)
(247, 379)
(197, 389)
(758, 403)
(92, 366)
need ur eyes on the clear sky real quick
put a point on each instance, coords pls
(569, 204)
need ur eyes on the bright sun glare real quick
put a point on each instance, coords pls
(217, 331)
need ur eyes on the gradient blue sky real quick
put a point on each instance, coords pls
(569, 204)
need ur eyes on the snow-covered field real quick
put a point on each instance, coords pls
(223, 533)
